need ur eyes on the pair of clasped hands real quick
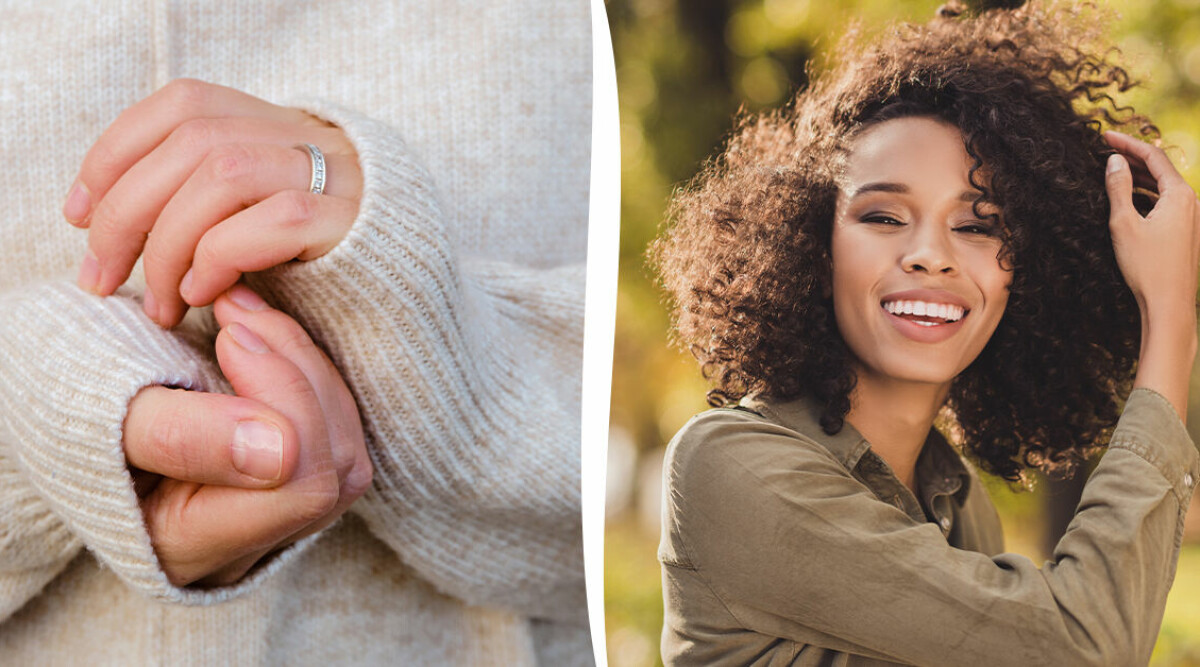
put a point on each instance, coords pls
(206, 183)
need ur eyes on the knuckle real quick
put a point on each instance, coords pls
(187, 95)
(193, 135)
(103, 164)
(104, 217)
(319, 500)
(207, 255)
(294, 208)
(358, 480)
(230, 164)
(296, 387)
(167, 435)
(293, 340)
(156, 256)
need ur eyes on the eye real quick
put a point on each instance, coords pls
(882, 219)
(978, 228)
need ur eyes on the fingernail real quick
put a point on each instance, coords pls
(1115, 163)
(185, 285)
(89, 273)
(77, 205)
(258, 450)
(247, 338)
(150, 305)
(246, 298)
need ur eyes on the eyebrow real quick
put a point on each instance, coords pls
(968, 196)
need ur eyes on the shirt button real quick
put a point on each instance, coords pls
(945, 523)
(1188, 480)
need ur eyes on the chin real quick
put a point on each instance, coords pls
(911, 371)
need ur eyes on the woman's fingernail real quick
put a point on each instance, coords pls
(246, 338)
(78, 204)
(150, 305)
(1115, 163)
(89, 273)
(258, 450)
(246, 298)
(185, 285)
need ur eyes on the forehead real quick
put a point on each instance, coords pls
(906, 150)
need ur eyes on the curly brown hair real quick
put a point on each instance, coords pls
(746, 257)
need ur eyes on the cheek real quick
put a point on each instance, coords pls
(993, 282)
(851, 264)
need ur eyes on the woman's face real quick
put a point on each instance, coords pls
(918, 287)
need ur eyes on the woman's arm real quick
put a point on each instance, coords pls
(1158, 256)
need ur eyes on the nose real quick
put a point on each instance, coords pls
(929, 250)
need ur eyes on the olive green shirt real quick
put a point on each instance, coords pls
(786, 546)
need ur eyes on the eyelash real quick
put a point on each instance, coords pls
(882, 220)
(975, 229)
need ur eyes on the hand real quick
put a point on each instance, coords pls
(242, 476)
(1158, 256)
(207, 183)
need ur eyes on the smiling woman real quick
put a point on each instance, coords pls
(937, 228)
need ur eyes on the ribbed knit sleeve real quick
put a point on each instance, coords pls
(35, 544)
(467, 374)
(70, 363)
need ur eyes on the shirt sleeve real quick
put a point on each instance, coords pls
(70, 363)
(467, 376)
(796, 548)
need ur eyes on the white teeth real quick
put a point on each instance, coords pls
(946, 311)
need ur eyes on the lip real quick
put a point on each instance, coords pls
(923, 334)
(926, 334)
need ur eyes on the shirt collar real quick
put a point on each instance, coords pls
(940, 470)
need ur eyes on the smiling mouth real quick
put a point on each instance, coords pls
(926, 313)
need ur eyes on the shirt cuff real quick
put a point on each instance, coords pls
(1150, 428)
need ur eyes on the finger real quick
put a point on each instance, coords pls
(354, 466)
(209, 438)
(233, 572)
(287, 225)
(1155, 159)
(285, 335)
(230, 178)
(125, 215)
(1141, 174)
(141, 127)
(1118, 180)
(200, 529)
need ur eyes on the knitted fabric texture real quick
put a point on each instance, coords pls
(453, 308)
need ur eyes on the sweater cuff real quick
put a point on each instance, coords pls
(398, 232)
(1150, 428)
(65, 406)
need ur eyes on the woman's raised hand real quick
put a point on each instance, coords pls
(207, 182)
(1158, 255)
(238, 477)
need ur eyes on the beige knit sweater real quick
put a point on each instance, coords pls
(453, 308)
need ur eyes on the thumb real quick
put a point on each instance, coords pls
(258, 372)
(1118, 180)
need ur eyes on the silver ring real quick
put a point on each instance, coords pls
(316, 184)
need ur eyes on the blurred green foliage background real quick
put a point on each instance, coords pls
(684, 70)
